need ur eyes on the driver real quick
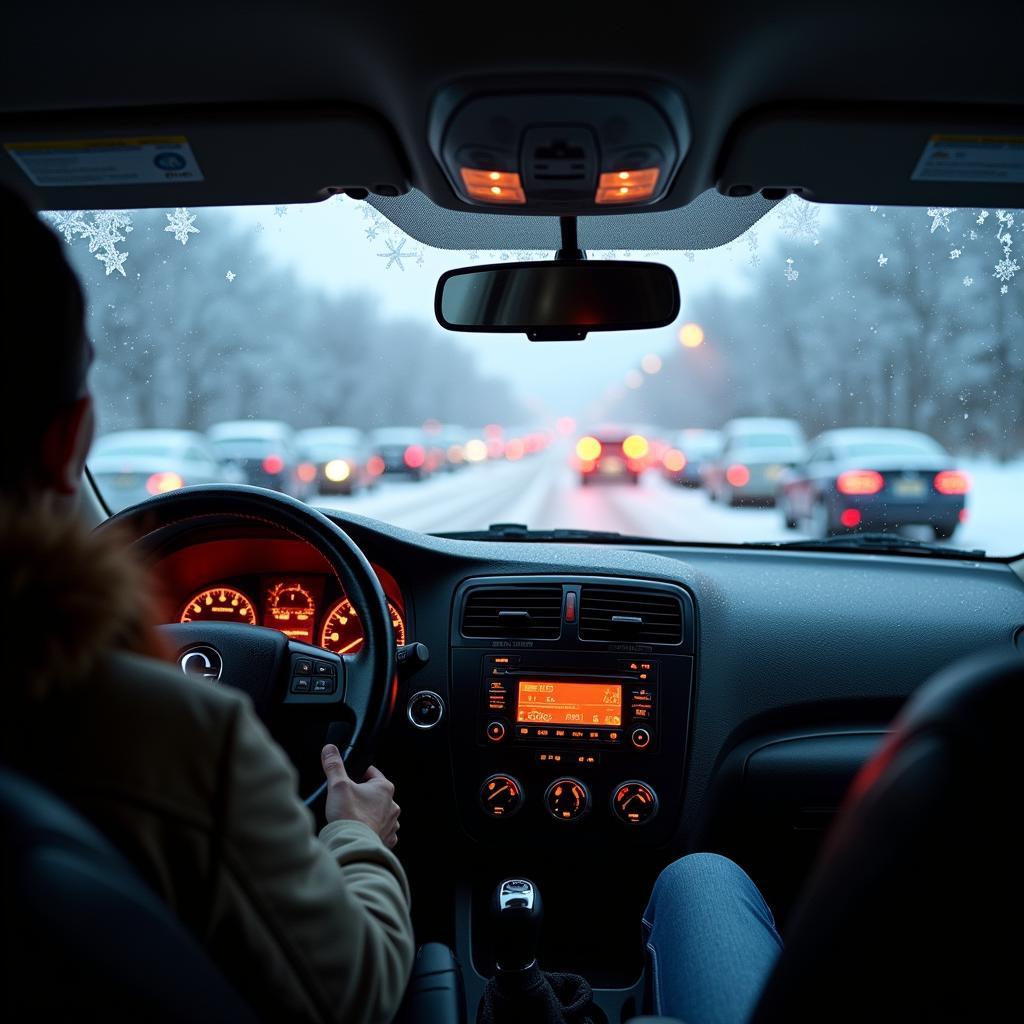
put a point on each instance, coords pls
(181, 775)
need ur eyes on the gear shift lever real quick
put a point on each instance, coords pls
(516, 917)
(520, 990)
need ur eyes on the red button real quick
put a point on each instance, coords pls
(570, 606)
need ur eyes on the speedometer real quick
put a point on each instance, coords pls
(342, 631)
(290, 608)
(219, 604)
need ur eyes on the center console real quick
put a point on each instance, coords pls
(570, 704)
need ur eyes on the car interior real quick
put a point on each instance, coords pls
(718, 697)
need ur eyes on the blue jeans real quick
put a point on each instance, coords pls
(711, 942)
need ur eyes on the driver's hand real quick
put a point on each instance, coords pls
(370, 801)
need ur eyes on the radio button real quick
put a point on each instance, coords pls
(611, 737)
(523, 730)
(496, 731)
(578, 734)
(641, 739)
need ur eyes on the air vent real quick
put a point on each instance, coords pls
(628, 614)
(528, 612)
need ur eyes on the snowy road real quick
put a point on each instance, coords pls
(544, 492)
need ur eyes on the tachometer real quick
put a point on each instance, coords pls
(219, 604)
(343, 633)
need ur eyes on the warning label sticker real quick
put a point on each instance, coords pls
(146, 160)
(995, 158)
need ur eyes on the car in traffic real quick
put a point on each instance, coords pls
(405, 451)
(755, 452)
(342, 458)
(692, 450)
(874, 479)
(131, 465)
(612, 453)
(263, 451)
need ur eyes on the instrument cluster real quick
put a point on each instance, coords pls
(308, 608)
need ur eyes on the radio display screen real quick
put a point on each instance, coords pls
(563, 703)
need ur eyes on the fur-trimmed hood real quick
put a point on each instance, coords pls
(68, 597)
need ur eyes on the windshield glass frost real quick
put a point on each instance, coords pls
(816, 320)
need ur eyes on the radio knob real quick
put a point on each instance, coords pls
(640, 739)
(501, 796)
(496, 731)
(634, 802)
(567, 799)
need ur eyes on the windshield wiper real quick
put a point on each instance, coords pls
(883, 543)
(521, 532)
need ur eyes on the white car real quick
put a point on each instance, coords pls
(132, 465)
(756, 451)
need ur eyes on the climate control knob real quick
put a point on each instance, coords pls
(567, 799)
(634, 802)
(501, 796)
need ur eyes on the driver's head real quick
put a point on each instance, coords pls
(46, 419)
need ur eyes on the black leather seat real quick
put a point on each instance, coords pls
(81, 936)
(82, 933)
(914, 910)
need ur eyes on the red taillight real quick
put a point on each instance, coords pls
(737, 475)
(375, 465)
(963, 515)
(273, 464)
(850, 517)
(160, 483)
(859, 481)
(515, 450)
(307, 472)
(414, 456)
(951, 481)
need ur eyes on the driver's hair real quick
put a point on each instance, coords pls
(45, 350)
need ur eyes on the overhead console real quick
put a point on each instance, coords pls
(570, 707)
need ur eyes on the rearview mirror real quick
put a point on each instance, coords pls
(558, 300)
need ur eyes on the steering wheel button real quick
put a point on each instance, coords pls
(303, 668)
(323, 668)
(301, 685)
(323, 685)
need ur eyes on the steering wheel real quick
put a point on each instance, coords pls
(352, 690)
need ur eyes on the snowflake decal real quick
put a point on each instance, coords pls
(954, 254)
(280, 211)
(181, 224)
(940, 216)
(873, 209)
(968, 281)
(790, 273)
(982, 217)
(799, 220)
(882, 259)
(1003, 290)
(396, 253)
(102, 229)
(752, 246)
(230, 276)
(1005, 269)
(372, 231)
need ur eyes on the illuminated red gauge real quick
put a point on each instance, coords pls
(291, 609)
(219, 604)
(343, 632)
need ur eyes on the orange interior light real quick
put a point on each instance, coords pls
(627, 186)
(493, 186)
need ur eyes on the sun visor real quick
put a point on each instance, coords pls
(203, 157)
(881, 156)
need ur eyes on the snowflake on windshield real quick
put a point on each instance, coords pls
(882, 259)
(968, 281)
(940, 216)
(181, 224)
(799, 220)
(396, 253)
(752, 247)
(954, 254)
(791, 274)
(230, 276)
(102, 229)
(280, 211)
(1005, 269)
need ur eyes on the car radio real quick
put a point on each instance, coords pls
(525, 701)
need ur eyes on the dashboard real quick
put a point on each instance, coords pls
(570, 748)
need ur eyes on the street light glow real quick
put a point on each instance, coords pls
(691, 335)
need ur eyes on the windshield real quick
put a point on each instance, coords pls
(820, 318)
